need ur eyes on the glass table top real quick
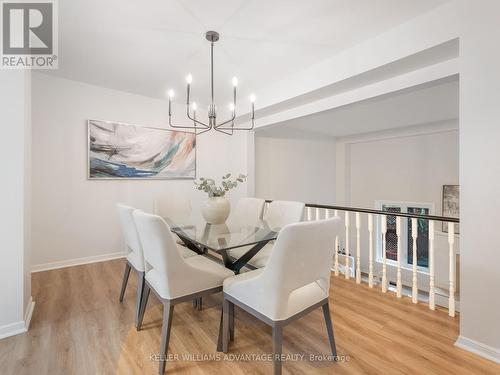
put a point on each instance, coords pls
(221, 237)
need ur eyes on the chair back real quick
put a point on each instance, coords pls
(303, 254)
(174, 207)
(281, 213)
(158, 243)
(248, 211)
(132, 241)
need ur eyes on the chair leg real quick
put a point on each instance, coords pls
(140, 293)
(277, 348)
(225, 325)
(219, 339)
(199, 303)
(329, 328)
(168, 312)
(231, 321)
(125, 281)
(144, 302)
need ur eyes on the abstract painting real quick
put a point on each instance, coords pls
(122, 151)
(451, 204)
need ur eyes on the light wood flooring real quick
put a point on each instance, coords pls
(79, 327)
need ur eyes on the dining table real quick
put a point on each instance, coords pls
(203, 238)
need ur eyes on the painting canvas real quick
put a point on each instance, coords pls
(122, 151)
(451, 204)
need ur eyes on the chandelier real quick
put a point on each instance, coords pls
(227, 126)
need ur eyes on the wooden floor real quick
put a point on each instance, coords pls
(79, 327)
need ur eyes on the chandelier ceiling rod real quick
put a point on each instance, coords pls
(212, 68)
(199, 126)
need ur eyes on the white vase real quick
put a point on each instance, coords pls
(216, 210)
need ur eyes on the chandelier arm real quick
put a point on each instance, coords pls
(178, 126)
(203, 131)
(226, 122)
(187, 127)
(250, 128)
(233, 128)
(194, 118)
(181, 126)
(224, 132)
(224, 129)
(234, 112)
(196, 121)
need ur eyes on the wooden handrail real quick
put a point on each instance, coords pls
(380, 212)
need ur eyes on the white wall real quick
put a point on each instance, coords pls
(480, 176)
(15, 277)
(409, 165)
(295, 169)
(74, 217)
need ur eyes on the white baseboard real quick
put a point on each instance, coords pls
(478, 348)
(77, 261)
(21, 326)
(29, 313)
(12, 329)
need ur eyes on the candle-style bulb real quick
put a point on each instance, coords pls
(189, 79)
(194, 106)
(252, 98)
(235, 81)
(231, 106)
(170, 93)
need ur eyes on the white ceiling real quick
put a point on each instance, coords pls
(146, 47)
(425, 104)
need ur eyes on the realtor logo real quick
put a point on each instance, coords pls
(29, 34)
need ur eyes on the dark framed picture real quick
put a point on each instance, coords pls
(451, 205)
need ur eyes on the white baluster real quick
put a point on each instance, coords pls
(451, 241)
(346, 271)
(414, 235)
(370, 240)
(336, 267)
(317, 214)
(432, 301)
(399, 284)
(383, 228)
(309, 215)
(327, 216)
(358, 248)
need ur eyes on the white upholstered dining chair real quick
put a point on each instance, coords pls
(295, 281)
(278, 215)
(135, 258)
(172, 278)
(176, 208)
(248, 211)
